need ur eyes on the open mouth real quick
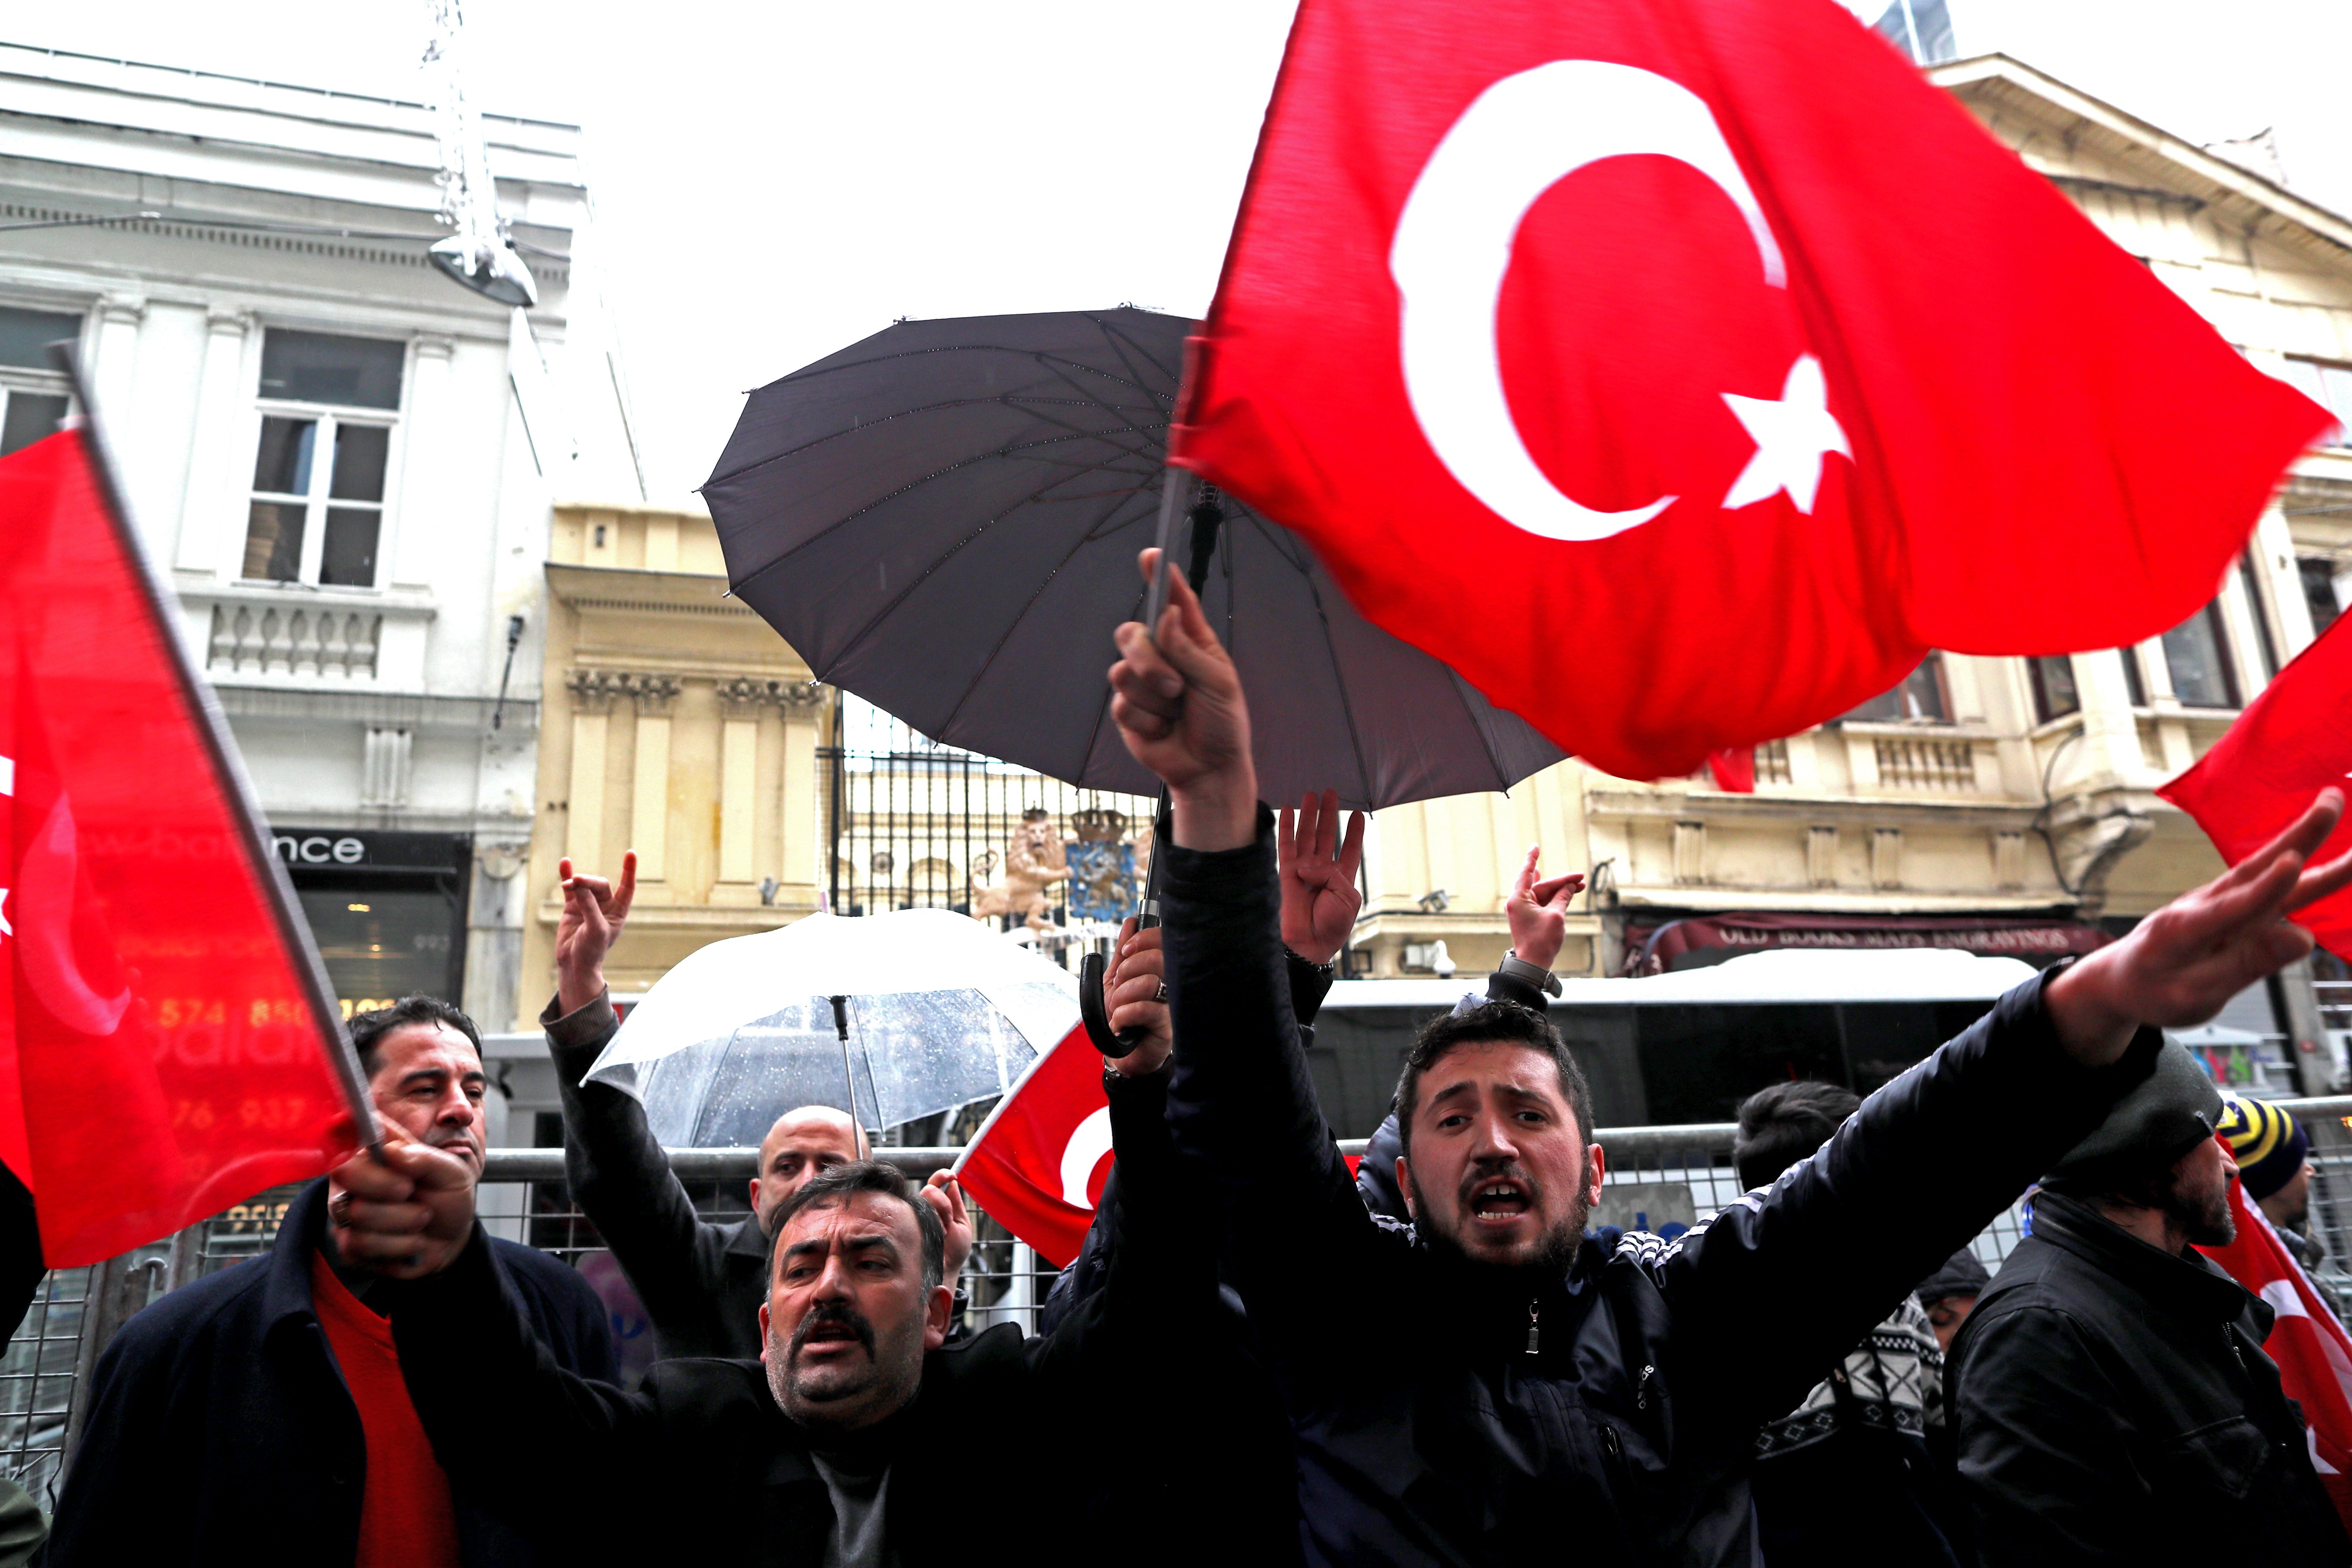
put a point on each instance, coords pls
(828, 1337)
(1500, 1200)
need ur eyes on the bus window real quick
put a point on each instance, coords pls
(1700, 1060)
(1885, 1039)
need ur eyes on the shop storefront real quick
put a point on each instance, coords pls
(387, 909)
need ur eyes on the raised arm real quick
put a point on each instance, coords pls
(619, 1175)
(1796, 1274)
(1241, 1102)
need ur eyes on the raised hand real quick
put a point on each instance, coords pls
(1320, 897)
(945, 1194)
(593, 912)
(2178, 966)
(1178, 705)
(406, 1214)
(1136, 998)
(1537, 912)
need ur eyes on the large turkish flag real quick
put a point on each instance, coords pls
(164, 1051)
(2290, 742)
(1682, 371)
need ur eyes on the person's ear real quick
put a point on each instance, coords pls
(755, 1195)
(936, 1311)
(763, 1333)
(1404, 1185)
(1595, 1165)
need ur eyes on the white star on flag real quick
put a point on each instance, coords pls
(1792, 436)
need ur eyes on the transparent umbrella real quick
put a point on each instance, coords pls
(940, 1010)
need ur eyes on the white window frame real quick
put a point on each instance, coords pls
(42, 382)
(329, 418)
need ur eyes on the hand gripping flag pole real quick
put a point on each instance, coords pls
(228, 766)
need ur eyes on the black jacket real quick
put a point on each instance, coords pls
(999, 1423)
(220, 1431)
(2115, 1405)
(1426, 1432)
(702, 1284)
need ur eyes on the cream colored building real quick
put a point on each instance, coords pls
(2016, 796)
(677, 724)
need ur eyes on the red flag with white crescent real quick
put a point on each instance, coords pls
(2307, 1340)
(1039, 1162)
(1682, 371)
(165, 1044)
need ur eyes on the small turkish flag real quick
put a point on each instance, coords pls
(1681, 370)
(1039, 1162)
(2290, 742)
(165, 1043)
(2307, 1340)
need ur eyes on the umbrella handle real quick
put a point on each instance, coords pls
(1095, 1016)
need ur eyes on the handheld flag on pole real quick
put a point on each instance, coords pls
(169, 1042)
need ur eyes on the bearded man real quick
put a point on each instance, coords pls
(1486, 1385)
(2113, 1401)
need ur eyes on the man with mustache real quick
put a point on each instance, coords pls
(2113, 1401)
(859, 1435)
(1485, 1385)
(701, 1283)
(285, 1368)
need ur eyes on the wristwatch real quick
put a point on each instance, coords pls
(1526, 974)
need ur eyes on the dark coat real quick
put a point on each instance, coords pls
(988, 1447)
(1426, 1432)
(2115, 1405)
(220, 1431)
(702, 1284)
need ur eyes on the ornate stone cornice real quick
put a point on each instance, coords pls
(594, 691)
(749, 693)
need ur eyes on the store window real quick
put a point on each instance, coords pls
(33, 397)
(1920, 697)
(2054, 693)
(317, 510)
(2197, 652)
(387, 909)
(2135, 683)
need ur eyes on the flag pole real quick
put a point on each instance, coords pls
(228, 764)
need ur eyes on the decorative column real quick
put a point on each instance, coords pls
(799, 801)
(116, 379)
(740, 700)
(219, 463)
(425, 509)
(592, 705)
(649, 784)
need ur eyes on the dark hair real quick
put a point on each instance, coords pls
(369, 1028)
(1489, 1024)
(1781, 1125)
(838, 1184)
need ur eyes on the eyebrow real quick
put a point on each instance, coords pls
(855, 1243)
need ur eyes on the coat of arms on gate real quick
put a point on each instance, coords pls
(1102, 866)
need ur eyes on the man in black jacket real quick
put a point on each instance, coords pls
(702, 1283)
(1496, 1387)
(2114, 1402)
(230, 1384)
(859, 1437)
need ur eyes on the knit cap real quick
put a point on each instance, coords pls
(2169, 1112)
(2265, 1141)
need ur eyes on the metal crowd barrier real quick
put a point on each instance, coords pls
(1660, 1178)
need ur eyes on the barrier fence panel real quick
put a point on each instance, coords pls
(1663, 1179)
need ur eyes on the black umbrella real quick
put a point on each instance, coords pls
(944, 520)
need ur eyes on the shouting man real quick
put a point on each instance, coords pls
(1499, 1388)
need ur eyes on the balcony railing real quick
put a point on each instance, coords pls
(277, 639)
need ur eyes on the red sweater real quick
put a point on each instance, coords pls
(406, 1519)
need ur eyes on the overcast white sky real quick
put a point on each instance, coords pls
(774, 181)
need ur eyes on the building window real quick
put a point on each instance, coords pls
(2134, 685)
(2197, 652)
(2258, 610)
(317, 511)
(2330, 386)
(1921, 696)
(2052, 679)
(33, 400)
(2319, 577)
